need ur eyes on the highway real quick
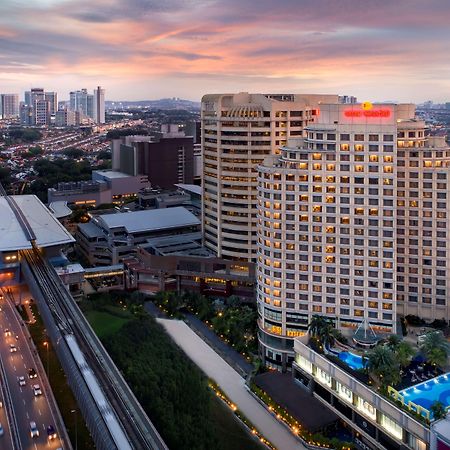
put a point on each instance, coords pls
(120, 407)
(27, 406)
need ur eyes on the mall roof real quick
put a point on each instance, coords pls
(47, 229)
(150, 220)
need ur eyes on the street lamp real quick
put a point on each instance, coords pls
(48, 372)
(76, 428)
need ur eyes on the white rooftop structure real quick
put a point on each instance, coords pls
(60, 209)
(190, 188)
(48, 230)
(150, 220)
(110, 174)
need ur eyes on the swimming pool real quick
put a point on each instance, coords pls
(354, 361)
(426, 393)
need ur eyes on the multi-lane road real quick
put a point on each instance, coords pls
(27, 406)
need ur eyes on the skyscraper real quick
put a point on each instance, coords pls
(9, 106)
(352, 226)
(238, 132)
(52, 98)
(82, 102)
(99, 105)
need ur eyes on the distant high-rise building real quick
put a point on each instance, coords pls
(165, 161)
(82, 102)
(26, 114)
(67, 118)
(52, 98)
(32, 96)
(99, 105)
(9, 106)
(238, 132)
(42, 112)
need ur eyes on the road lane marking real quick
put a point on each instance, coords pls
(14, 368)
(28, 416)
(23, 401)
(39, 411)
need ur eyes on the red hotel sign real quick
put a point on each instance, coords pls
(368, 113)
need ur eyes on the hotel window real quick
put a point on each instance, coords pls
(359, 137)
(359, 147)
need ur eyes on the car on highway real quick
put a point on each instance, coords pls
(7, 332)
(2, 431)
(51, 433)
(37, 390)
(32, 373)
(34, 432)
(12, 348)
(21, 380)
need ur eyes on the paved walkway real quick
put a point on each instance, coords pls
(231, 383)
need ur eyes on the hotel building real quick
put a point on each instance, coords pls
(352, 226)
(238, 132)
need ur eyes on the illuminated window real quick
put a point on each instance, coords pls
(330, 199)
(330, 259)
(359, 148)
(317, 156)
(317, 166)
(345, 147)
(331, 166)
(373, 158)
(317, 208)
(387, 169)
(359, 168)
(317, 189)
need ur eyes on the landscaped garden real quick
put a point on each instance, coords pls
(176, 395)
(411, 376)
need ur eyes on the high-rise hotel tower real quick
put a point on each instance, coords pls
(352, 225)
(238, 132)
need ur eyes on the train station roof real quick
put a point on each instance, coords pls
(47, 229)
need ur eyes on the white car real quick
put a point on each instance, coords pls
(12, 348)
(34, 432)
(22, 381)
(37, 390)
(2, 432)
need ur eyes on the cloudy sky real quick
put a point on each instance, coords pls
(147, 49)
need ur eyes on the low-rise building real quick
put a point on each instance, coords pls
(376, 421)
(106, 186)
(110, 238)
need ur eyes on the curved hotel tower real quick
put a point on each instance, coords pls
(352, 226)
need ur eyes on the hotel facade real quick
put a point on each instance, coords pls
(352, 225)
(238, 132)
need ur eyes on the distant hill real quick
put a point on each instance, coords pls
(164, 103)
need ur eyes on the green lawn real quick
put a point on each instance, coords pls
(105, 323)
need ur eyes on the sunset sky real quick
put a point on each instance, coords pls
(147, 49)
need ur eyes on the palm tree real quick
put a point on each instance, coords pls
(435, 348)
(323, 329)
(393, 341)
(404, 353)
(437, 409)
(383, 365)
(316, 325)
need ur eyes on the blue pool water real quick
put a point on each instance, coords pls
(354, 361)
(427, 392)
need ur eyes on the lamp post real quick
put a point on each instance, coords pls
(76, 428)
(48, 371)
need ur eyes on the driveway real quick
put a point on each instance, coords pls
(232, 384)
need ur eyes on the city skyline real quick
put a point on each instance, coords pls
(154, 49)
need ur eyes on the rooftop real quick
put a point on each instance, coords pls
(112, 174)
(60, 209)
(46, 227)
(193, 188)
(150, 220)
